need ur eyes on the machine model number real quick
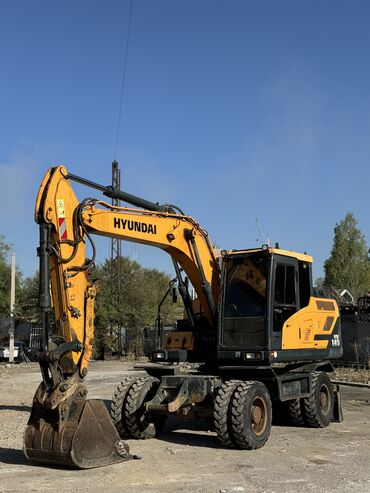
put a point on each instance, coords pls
(335, 342)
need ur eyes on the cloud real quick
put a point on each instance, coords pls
(17, 185)
(20, 176)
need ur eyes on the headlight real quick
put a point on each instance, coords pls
(158, 355)
(253, 356)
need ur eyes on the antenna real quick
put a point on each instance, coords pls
(265, 239)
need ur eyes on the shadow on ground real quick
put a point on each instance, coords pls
(188, 437)
(13, 456)
(24, 409)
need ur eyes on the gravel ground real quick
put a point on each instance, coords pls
(352, 375)
(335, 459)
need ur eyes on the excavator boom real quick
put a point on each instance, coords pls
(64, 428)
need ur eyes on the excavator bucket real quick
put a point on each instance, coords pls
(86, 438)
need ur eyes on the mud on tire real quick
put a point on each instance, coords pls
(251, 415)
(141, 424)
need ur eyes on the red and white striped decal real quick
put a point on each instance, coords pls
(61, 219)
(62, 228)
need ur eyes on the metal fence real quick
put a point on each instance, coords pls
(356, 339)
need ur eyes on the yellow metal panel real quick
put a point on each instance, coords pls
(318, 318)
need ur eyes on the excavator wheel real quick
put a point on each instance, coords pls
(140, 424)
(222, 412)
(117, 410)
(251, 415)
(297, 412)
(319, 405)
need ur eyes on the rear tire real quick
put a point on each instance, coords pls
(222, 412)
(117, 410)
(297, 412)
(319, 405)
(140, 423)
(251, 415)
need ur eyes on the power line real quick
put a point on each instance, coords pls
(123, 79)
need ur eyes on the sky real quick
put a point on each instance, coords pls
(235, 111)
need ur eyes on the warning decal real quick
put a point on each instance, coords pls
(62, 228)
(60, 208)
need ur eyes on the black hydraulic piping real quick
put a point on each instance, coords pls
(159, 320)
(183, 290)
(113, 193)
(206, 287)
(44, 282)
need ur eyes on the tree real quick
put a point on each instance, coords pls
(28, 302)
(141, 292)
(348, 266)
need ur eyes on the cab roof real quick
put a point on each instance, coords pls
(277, 251)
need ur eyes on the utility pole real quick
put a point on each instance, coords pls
(12, 303)
(116, 258)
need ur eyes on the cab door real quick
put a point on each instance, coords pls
(244, 302)
(285, 296)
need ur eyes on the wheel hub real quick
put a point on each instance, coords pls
(324, 398)
(259, 415)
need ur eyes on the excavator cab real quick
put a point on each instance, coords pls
(268, 312)
(267, 315)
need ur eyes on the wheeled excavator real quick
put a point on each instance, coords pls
(254, 338)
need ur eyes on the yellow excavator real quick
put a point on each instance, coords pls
(257, 336)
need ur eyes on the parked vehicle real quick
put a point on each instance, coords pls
(18, 347)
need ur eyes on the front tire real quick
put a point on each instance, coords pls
(251, 415)
(140, 423)
(117, 410)
(222, 412)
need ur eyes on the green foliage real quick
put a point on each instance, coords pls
(141, 292)
(348, 265)
(27, 304)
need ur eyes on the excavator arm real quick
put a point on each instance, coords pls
(61, 417)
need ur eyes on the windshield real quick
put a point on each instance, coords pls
(246, 286)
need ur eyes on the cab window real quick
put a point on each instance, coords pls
(285, 294)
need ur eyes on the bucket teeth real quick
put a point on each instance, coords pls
(85, 437)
